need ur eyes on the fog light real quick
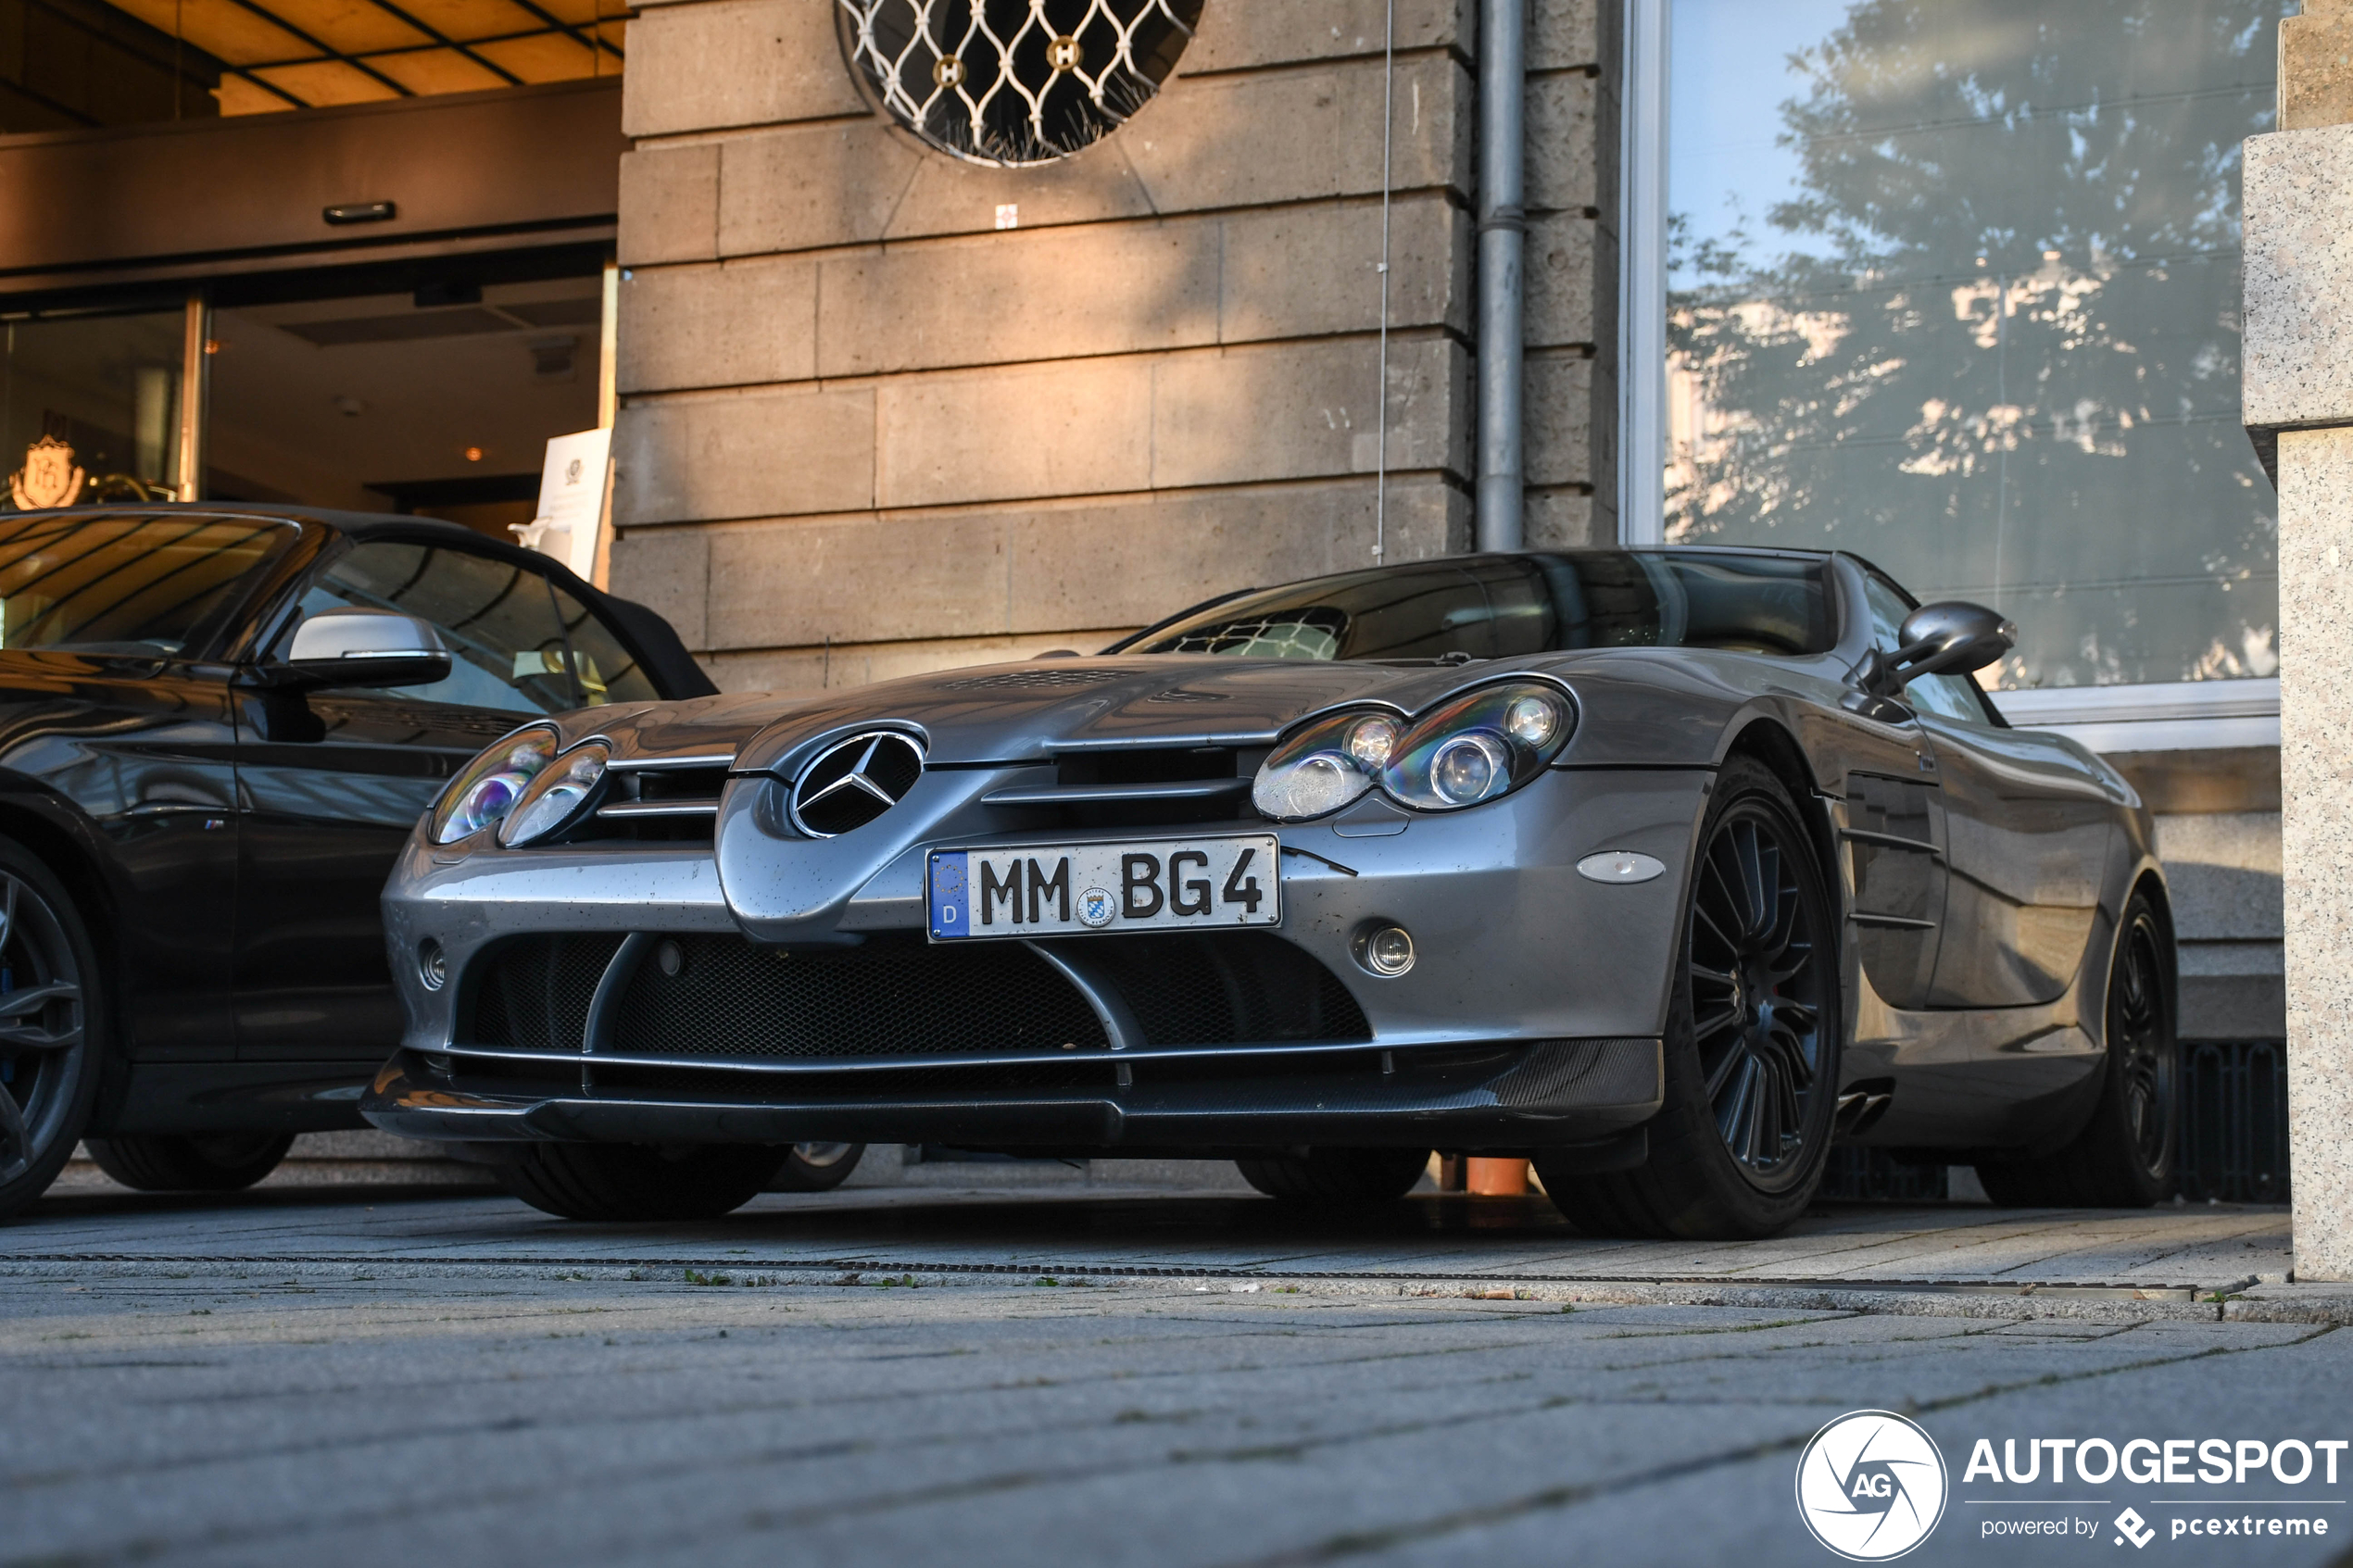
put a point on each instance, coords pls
(1389, 951)
(433, 966)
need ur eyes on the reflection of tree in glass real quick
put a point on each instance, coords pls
(2009, 368)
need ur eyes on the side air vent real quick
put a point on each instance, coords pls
(851, 783)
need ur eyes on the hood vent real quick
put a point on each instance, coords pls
(1033, 680)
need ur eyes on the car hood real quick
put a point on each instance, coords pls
(1012, 712)
(1634, 705)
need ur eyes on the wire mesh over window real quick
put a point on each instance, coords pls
(1013, 83)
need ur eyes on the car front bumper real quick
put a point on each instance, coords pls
(1530, 1017)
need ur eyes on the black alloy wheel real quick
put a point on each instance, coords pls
(1753, 1038)
(48, 1061)
(1749, 959)
(2123, 1158)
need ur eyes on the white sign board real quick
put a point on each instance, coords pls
(571, 500)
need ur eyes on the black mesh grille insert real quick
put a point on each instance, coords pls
(894, 997)
(1217, 989)
(713, 996)
(534, 991)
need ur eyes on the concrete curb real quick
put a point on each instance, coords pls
(2083, 1302)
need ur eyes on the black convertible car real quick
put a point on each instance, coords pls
(217, 726)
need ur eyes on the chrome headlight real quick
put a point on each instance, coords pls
(557, 798)
(1471, 749)
(491, 784)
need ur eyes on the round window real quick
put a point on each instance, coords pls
(1012, 82)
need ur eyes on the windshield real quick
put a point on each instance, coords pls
(1499, 607)
(152, 584)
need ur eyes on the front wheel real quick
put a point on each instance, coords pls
(2123, 1158)
(191, 1163)
(1753, 1027)
(622, 1181)
(1337, 1176)
(49, 1027)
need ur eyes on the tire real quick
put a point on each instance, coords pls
(817, 1167)
(1337, 1176)
(627, 1181)
(191, 1163)
(50, 1050)
(1752, 1029)
(2124, 1156)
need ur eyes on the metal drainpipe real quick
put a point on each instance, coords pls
(1502, 232)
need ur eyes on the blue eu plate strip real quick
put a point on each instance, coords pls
(951, 914)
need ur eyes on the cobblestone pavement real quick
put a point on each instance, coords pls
(401, 1375)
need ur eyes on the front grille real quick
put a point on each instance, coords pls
(888, 998)
(655, 805)
(534, 991)
(710, 996)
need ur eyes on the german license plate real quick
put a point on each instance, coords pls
(1177, 885)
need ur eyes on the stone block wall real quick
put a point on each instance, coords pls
(868, 430)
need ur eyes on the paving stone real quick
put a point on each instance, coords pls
(238, 1410)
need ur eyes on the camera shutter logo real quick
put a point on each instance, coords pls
(1872, 1485)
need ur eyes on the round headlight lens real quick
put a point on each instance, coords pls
(1310, 787)
(1533, 720)
(1323, 767)
(1372, 741)
(1468, 768)
(491, 784)
(556, 797)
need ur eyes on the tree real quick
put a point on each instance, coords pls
(2000, 353)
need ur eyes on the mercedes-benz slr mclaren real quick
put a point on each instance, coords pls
(1666, 869)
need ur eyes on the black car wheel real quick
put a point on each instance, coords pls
(190, 1162)
(1752, 1042)
(1337, 1175)
(2123, 1158)
(817, 1167)
(626, 1181)
(48, 1001)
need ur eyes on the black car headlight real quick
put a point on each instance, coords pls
(492, 782)
(1469, 749)
(558, 798)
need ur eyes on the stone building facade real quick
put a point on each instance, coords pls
(887, 410)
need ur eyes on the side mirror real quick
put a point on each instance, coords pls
(1949, 638)
(361, 647)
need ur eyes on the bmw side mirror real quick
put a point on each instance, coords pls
(361, 647)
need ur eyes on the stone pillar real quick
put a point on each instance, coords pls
(2297, 403)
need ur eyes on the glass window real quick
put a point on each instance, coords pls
(1954, 284)
(437, 401)
(106, 389)
(1487, 608)
(608, 671)
(498, 622)
(124, 584)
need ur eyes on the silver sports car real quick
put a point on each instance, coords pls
(1667, 869)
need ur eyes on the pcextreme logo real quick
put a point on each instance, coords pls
(1872, 1485)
